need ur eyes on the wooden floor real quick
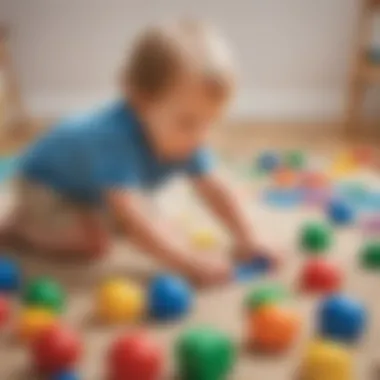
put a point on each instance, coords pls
(240, 134)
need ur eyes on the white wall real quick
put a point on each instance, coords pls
(294, 54)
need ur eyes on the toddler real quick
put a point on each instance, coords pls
(95, 167)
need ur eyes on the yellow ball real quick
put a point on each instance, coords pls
(203, 240)
(32, 321)
(327, 360)
(343, 165)
(120, 301)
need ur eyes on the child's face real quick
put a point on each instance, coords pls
(181, 120)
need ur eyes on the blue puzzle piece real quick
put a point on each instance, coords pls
(65, 375)
(284, 198)
(247, 271)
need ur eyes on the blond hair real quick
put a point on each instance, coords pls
(162, 53)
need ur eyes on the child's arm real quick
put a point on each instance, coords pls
(224, 203)
(155, 237)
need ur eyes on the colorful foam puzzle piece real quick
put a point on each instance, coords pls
(257, 267)
(283, 198)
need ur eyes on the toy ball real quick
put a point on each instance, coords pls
(268, 161)
(273, 328)
(268, 294)
(4, 311)
(321, 276)
(285, 178)
(314, 180)
(340, 212)
(204, 354)
(10, 275)
(370, 255)
(341, 319)
(315, 238)
(32, 321)
(363, 155)
(169, 297)
(294, 159)
(327, 360)
(65, 375)
(203, 240)
(120, 301)
(45, 293)
(55, 349)
(135, 356)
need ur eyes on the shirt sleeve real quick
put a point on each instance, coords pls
(201, 163)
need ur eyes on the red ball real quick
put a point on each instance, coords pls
(135, 356)
(321, 276)
(55, 349)
(4, 311)
(363, 155)
(314, 180)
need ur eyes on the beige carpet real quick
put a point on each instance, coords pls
(221, 308)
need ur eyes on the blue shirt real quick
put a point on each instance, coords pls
(86, 155)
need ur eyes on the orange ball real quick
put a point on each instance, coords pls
(273, 328)
(32, 322)
(285, 178)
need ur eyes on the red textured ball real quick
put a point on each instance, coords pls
(4, 311)
(363, 155)
(321, 276)
(55, 349)
(135, 356)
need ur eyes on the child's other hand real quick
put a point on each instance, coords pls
(246, 251)
(208, 271)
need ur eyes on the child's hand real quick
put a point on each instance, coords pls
(208, 271)
(246, 251)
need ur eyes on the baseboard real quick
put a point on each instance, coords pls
(264, 106)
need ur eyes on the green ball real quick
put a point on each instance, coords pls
(266, 295)
(205, 354)
(294, 159)
(370, 255)
(315, 238)
(45, 293)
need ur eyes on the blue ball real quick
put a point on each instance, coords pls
(342, 319)
(10, 275)
(340, 212)
(268, 161)
(169, 298)
(65, 375)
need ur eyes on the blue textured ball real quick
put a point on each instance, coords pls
(340, 212)
(169, 297)
(268, 161)
(10, 275)
(65, 375)
(342, 319)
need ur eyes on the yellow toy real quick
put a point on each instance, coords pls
(32, 321)
(344, 164)
(120, 301)
(325, 360)
(203, 240)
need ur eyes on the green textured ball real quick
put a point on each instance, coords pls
(45, 293)
(205, 354)
(294, 159)
(315, 238)
(370, 255)
(265, 295)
